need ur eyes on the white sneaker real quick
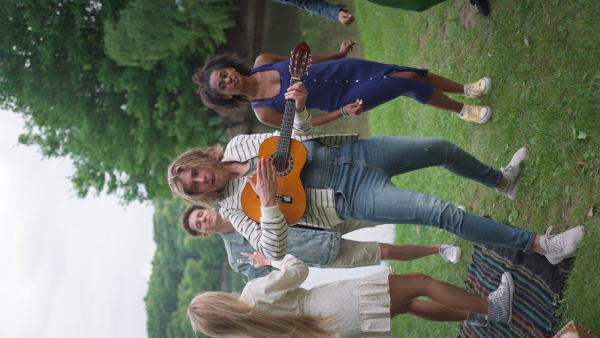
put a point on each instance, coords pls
(450, 253)
(478, 88)
(512, 172)
(563, 245)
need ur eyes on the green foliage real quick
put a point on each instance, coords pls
(545, 96)
(149, 30)
(121, 125)
(182, 267)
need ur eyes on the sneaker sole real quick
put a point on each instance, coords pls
(512, 194)
(488, 85)
(515, 188)
(511, 288)
(487, 116)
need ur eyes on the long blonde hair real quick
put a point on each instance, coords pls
(220, 314)
(208, 157)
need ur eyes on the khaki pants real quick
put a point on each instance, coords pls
(354, 253)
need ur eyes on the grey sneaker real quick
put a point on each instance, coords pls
(512, 172)
(478, 88)
(477, 319)
(450, 253)
(500, 302)
(563, 245)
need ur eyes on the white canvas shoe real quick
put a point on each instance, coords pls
(563, 245)
(450, 253)
(512, 172)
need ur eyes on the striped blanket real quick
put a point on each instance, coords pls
(538, 285)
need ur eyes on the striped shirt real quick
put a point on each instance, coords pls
(269, 236)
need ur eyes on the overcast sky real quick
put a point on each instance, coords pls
(69, 267)
(72, 267)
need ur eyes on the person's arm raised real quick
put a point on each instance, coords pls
(264, 59)
(346, 48)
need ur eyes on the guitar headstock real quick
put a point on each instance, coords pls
(301, 60)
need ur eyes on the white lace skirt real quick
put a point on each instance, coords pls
(374, 304)
(361, 307)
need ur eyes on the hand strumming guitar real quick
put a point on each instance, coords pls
(265, 185)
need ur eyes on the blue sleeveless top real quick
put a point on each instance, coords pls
(336, 83)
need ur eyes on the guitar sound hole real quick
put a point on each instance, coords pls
(280, 163)
(283, 165)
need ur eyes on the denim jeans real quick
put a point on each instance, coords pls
(360, 173)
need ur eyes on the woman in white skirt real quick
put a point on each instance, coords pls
(276, 305)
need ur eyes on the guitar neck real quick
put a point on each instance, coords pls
(283, 146)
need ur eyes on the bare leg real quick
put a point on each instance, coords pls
(404, 288)
(407, 252)
(429, 310)
(438, 99)
(443, 84)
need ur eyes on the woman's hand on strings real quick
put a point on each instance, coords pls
(265, 185)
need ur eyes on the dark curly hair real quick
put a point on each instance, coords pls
(208, 95)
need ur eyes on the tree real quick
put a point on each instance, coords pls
(182, 267)
(150, 30)
(121, 125)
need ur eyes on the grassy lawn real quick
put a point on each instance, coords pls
(544, 62)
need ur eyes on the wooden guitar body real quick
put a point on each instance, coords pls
(291, 196)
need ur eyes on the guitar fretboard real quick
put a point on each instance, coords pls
(283, 145)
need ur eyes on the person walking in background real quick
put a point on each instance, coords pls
(324, 9)
(483, 7)
(338, 13)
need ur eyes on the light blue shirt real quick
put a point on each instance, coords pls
(315, 248)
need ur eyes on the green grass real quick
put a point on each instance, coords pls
(543, 59)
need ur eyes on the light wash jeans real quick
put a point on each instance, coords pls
(360, 172)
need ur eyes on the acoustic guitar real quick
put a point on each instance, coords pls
(286, 154)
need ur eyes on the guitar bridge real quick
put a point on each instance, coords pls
(283, 199)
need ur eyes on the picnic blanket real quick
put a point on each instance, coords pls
(538, 286)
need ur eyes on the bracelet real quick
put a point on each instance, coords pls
(343, 109)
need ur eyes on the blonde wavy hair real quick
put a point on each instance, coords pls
(220, 314)
(208, 157)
